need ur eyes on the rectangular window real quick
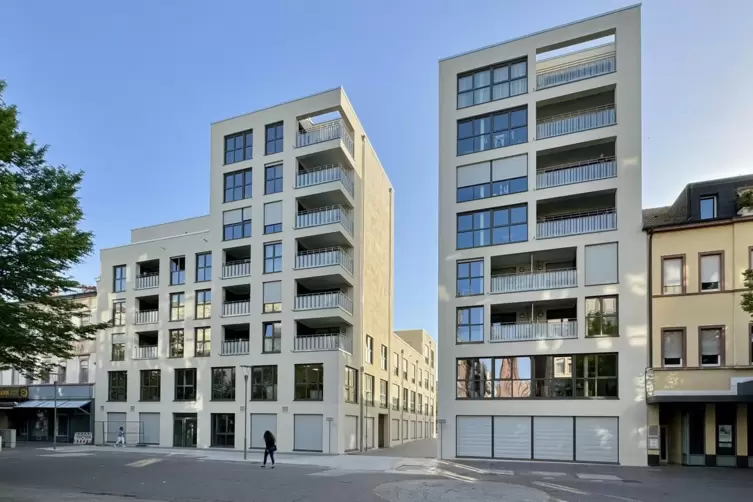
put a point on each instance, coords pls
(383, 397)
(601, 316)
(419, 403)
(601, 264)
(61, 373)
(496, 226)
(309, 382)
(420, 377)
(711, 343)
(223, 430)
(497, 130)
(119, 278)
(273, 217)
(264, 383)
(238, 185)
(405, 369)
(708, 207)
(470, 279)
(118, 313)
(432, 358)
(203, 267)
(396, 364)
(177, 306)
(413, 401)
(203, 338)
(596, 375)
(273, 257)
(395, 396)
(274, 139)
(351, 385)
(204, 304)
(273, 179)
(673, 347)
(118, 347)
(239, 147)
(272, 337)
(497, 82)
(412, 373)
(272, 292)
(117, 382)
(223, 384)
(185, 384)
(177, 270)
(470, 324)
(673, 275)
(83, 370)
(492, 179)
(711, 272)
(368, 397)
(369, 350)
(236, 224)
(383, 361)
(405, 399)
(176, 343)
(150, 385)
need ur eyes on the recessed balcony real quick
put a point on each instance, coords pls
(575, 215)
(147, 310)
(551, 269)
(581, 164)
(549, 320)
(322, 293)
(235, 340)
(324, 257)
(588, 111)
(323, 174)
(236, 300)
(328, 215)
(237, 262)
(324, 127)
(576, 63)
(147, 343)
(147, 275)
(322, 339)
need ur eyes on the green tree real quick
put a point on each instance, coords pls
(747, 301)
(39, 242)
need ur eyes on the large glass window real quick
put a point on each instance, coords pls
(309, 382)
(383, 362)
(273, 179)
(369, 349)
(711, 345)
(396, 364)
(497, 82)
(177, 270)
(204, 304)
(274, 139)
(203, 338)
(601, 316)
(223, 384)
(673, 276)
(264, 383)
(673, 347)
(203, 267)
(176, 342)
(272, 337)
(273, 257)
(118, 313)
(474, 378)
(470, 277)
(150, 385)
(185, 384)
(236, 224)
(117, 386)
(351, 385)
(470, 324)
(711, 272)
(177, 306)
(223, 430)
(383, 397)
(119, 278)
(239, 147)
(238, 185)
(272, 296)
(395, 396)
(118, 347)
(496, 226)
(506, 128)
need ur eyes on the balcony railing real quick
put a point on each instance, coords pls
(324, 216)
(314, 343)
(576, 172)
(576, 223)
(234, 347)
(324, 301)
(324, 258)
(551, 279)
(146, 281)
(145, 352)
(577, 121)
(576, 70)
(239, 268)
(325, 174)
(326, 131)
(521, 332)
(147, 316)
(242, 307)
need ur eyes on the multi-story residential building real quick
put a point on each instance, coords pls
(542, 301)
(283, 291)
(699, 387)
(27, 405)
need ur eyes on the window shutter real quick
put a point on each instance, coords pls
(475, 174)
(509, 168)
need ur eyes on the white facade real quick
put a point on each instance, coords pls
(542, 281)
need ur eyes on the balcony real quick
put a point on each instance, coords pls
(145, 352)
(551, 269)
(235, 340)
(324, 300)
(575, 215)
(147, 316)
(146, 345)
(546, 320)
(527, 331)
(310, 133)
(325, 174)
(236, 308)
(236, 300)
(585, 112)
(574, 67)
(579, 163)
(325, 216)
(236, 262)
(323, 342)
(147, 275)
(325, 257)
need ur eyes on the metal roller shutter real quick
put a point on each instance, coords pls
(370, 432)
(149, 428)
(512, 437)
(115, 421)
(395, 429)
(474, 437)
(260, 423)
(596, 439)
(351, 432)
(553, 438)
(307, 432)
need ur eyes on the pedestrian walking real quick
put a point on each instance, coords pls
(121, 438)
(270, 447)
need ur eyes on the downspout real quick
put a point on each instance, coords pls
(360, 273)
(649, 290)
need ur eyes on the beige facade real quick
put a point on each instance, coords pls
(542, 260)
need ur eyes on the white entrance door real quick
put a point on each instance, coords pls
(260, 423)
(512, 437)
(307, 432)
(553, 438)
(596, 439)
(474, 437)
(370, 432)
(149, 428)
(351, 432)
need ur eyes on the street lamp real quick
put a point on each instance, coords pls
(246, 371)
(54, 376)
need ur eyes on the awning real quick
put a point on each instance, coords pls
(51, 404)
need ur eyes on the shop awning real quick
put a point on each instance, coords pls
(51, 404)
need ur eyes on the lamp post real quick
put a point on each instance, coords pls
(246, 371)
(55, 411)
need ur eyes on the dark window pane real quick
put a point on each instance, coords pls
(465, 222)
(465, 240)
(501, 122)
(518, 118)
(465, 146)
(518, 215)
(518, 233)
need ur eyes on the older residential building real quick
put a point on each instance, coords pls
(542, 259)
(283, 293)
(700, 383)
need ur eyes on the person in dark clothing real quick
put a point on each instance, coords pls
(270, 447)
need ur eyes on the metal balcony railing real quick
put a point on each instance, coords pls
(573, 71)
(145, 352)
(576, 172)
(576, 223)
(576, 121)
(239, 268)
(534, 281)
(315, 343)
(329, 300)
(234, 347)
(146, 281)
(325, 174)
(326, 131)
(324, 258)
(526, 331)
(324, 216)
(147, 316)
(242, 307)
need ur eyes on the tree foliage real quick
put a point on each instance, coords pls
(747, 301)
(39, 242)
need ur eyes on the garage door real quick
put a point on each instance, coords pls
(260, 423)
(512, 437)
(114, 422)
(370, 432)
(405, 429)
(420, 434)
(351, 432)
(395, 429)
(149, 428)
(553, 438)
(596, 439)
(307, 432)
(474, 437)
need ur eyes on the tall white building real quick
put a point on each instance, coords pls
(287, 281)
(542, 280)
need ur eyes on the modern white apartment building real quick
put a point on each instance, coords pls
(542, 265)
(283, 291)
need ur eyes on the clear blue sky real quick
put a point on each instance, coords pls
(127, 93)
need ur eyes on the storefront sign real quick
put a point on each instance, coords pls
(14, 392)
(725, 436)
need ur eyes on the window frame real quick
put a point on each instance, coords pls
(714, 207)
(507, 132)
(720, 254)
(271, 307)
(227, 420)
(383, 358)
(149, 391)
(384, 393)
(469, 278)
(490, 69)
(243, 225)
(396, 364)
(223, 394)
(405, 399)
(119, 314)
(308, 384)
(470, 324)
(684, 353)
(120, 345)
(350, 384)
(722, 346)
(203, 270)
(683, 275)
(262, 372)
(173, 344)
(119, 278)
(489, 230)
(276, 338)
(83, 369)
(206, 347)
(277, 181)
(202, 307)
(369, 348)
(272, 228)
(246, 149)
(368, 395)
(182, 384)
(600, 302)
(121, 377)
(396, 397)
(177, 274)
(177, 310)
(277, 140)
(275, 259)
(492, 188)
(245, 188)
